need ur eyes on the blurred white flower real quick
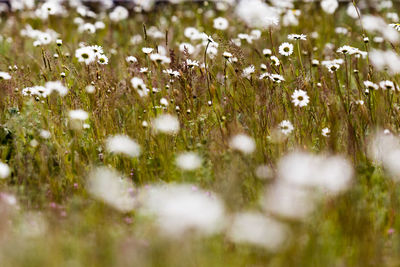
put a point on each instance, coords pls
(220, 23)
(370, 85)
(45, 134)
(56, 86)
(288, 201)
(352, 11)
(326, 132)
(377, 24)
(123, 144)
(119, 13)
(4, 170)
(384, 149)
(388, 85)
(147, 50)
(78, 114)
(90, 89)
(331, 174)
(243, 143)
(248, 71)
(329, 6)
(297, 37)
(166, 123)
(188, 161)
(107, 185)
(263, 172)
(131, 59)
(259, 230)
(180, 208)
(257, 14)
(275, 60)
(385, 60)
(4, 75)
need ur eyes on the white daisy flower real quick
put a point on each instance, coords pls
(332, 67)
(144, 70)
(85, 54)
(286, 49)
(131, 59)
(370, 85)
(160, 58)
(172, 73)
(275, 60)
(248, 71)
(102, 59)
(326, 132)
(300, 98)
(227, 55)
(346, 49)
(276, 78)
(297, 37)
(387, 85)
(192, 63)
(147, 50)
(4, 75)
(138, 83)
(164, 102)
(286, 127)
(267, 52)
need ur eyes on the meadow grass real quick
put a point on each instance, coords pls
(50, 216)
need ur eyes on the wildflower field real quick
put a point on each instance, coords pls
(204, 133)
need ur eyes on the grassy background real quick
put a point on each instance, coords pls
(351, 230)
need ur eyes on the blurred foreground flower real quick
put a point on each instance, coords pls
(243, 143)
(180, 208)
(257, 14)
(257, 229)
(107, 185)
(166, 123)
(303, 178)
(4, 170)
(188, 161)
(123, 144)
(384, 149)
